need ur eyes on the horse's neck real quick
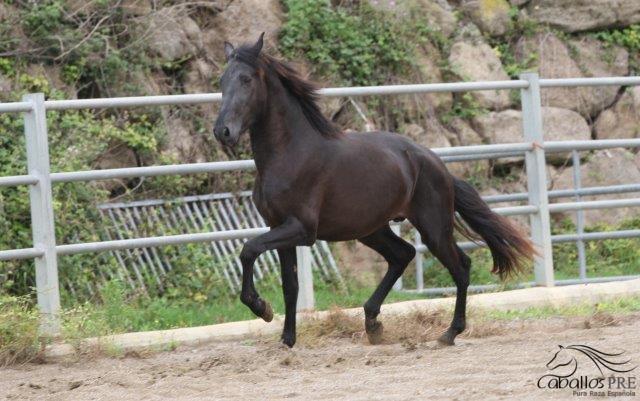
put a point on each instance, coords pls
(280, 130)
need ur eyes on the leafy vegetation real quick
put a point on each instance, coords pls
(52, 48)
(18, 330)
(360, 46)
(629, 38)
(465, 106)
(97, 50)
(357, 44)
(504, 46)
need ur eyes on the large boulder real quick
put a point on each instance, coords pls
(465, 135)
(427, 61)
(241, 22)
(118, 155)
(597, 60)
(479, 62)
(558, 125)
(585, 15)
(582, 58)
(436, 14)
(199, 76)
(604, 168)
(623, 119)
(172, 34)
(491, 16)
(183, 142)
(435, 135)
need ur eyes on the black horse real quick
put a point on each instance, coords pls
(316, 182)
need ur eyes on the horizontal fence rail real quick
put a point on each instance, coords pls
(26, 253)
(12, 181)
(72, 249)
(533, 149)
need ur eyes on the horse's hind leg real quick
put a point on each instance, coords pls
(398, 253)
(435, 224)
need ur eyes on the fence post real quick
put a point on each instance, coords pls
(42, 224)
(306, 298)
(577, 185)
(537, 179)
(419, 263)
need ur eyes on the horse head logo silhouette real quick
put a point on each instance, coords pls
(564, 362)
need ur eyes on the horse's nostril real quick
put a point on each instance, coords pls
(225, 131)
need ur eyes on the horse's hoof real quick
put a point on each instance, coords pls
(267, 314)
(374, 332)
(446, 339)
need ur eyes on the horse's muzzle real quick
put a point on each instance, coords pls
(225, 136)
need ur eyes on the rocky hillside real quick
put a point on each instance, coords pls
(73, 49)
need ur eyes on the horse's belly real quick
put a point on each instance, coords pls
(347, 217)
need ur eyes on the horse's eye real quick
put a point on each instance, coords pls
(245, 79)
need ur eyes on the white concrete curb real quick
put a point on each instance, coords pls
(507, 300)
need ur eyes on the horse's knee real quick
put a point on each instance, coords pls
(249, 253)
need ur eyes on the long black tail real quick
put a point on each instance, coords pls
(510, 249)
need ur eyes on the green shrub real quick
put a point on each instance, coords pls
(628, 38)
(18, 330)
(359, 46)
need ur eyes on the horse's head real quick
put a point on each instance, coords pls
(243, 92)
(561, 358)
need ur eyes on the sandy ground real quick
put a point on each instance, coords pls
(492, 367)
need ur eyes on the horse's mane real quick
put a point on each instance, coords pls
(303, 90)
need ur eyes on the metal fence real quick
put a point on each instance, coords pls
(211, 212)
(39, 178)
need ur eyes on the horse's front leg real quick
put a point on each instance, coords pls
(290, 234)
(289, 273)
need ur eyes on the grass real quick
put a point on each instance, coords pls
(422, 326)
(18, 330)
(117, 313)
(613, 306)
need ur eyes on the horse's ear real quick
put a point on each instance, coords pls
(228, 50)
(258, 46)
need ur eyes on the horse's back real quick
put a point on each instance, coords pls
(372, 180)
